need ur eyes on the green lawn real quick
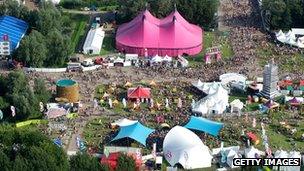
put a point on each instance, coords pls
(108, 45)
(78, 23)
(213, 39)
(292, 63)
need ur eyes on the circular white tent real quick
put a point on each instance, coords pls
(184, 147)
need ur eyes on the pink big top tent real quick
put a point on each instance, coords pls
(170, 36)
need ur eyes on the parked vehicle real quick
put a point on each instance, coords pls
(98, 61)
(74, 59)
(87, 62)
(73, 67)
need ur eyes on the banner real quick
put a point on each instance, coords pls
(13, 109)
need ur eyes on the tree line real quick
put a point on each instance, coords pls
(15, 91)
(284, 14)
(26, 149)
(200, 12)
(48, 40)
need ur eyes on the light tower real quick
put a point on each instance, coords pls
(270, 80)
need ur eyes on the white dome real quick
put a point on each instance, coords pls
(183, 146)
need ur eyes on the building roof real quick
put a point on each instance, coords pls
(139, 92)
(14, 28)
(94, 38)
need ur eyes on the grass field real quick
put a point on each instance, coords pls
(108, 45)
(213, 39)
(287, 63)
(78, 23)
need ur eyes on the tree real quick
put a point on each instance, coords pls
(59, 49)
(81, 162)
(48, 18)
(40, 91)
(201, 12)
(12, 8)
(32, 50)
(284, 14)
(125, 162)
(28, 149)
(22, 153)
(5, 163)
(19, 95)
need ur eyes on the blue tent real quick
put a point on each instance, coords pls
(205, 125)
(14, 28)
(136, 131)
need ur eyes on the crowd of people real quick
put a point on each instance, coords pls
(245, 39)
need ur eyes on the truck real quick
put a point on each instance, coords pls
(87, 62)
(74, 66)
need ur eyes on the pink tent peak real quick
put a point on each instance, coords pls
(170, 36)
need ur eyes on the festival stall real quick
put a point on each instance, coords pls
(139, 93)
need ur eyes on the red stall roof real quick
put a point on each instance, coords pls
(139, 92)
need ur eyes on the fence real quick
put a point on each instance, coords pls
(91, 68)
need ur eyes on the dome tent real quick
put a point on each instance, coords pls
(182, 146)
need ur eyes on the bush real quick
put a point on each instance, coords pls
(125, 162)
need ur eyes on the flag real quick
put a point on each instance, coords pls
(13, 109)
(41, 107)
(106, 152)
(1, 115)
(154, 151)
(254, 123)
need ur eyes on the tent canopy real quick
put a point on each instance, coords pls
(136, 131)
(139, 92)
(183, 146)
(171, 36)
(123, 122)
(205, 125)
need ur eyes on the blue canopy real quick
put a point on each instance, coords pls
(14, 28)
(136, 131)
(205, 125)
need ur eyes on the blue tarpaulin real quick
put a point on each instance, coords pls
(58, 142)
(205, 125)
(14, 28)
(136, 131)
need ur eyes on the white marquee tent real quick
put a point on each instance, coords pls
(93, 42)
(56, 2)
(236, 105)
(251, 152)
(290, 37)
(207, 88)
(233, 77)
(230, 156)
(284, 154)
(216, 102)
(184, 147)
